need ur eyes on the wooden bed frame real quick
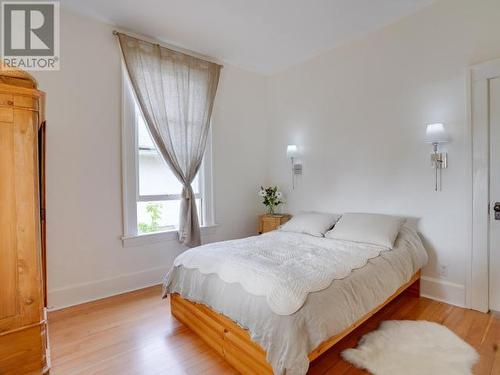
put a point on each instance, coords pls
(234, 343)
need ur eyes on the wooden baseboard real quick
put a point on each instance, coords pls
(234, 343)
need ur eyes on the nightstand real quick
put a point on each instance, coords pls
(268, 223)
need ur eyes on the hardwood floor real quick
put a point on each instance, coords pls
(134, 333)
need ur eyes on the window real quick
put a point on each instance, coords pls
(159, 197)
(152, 193)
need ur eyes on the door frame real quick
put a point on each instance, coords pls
(477, 280)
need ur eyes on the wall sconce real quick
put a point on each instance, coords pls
(292, 152)
(436, 134)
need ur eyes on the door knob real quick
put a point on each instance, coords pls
(496, 209)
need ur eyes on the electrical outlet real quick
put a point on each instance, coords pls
(443, 270)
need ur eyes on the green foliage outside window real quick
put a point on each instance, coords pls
(154, 211)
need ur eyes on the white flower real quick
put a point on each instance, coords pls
(279, 194)
(262, 193)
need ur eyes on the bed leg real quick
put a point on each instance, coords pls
(413, 290)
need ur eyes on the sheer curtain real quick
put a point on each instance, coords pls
(176, 94)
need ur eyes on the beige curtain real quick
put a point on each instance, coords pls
(176, 94)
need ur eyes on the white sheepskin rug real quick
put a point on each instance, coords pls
(412, 348)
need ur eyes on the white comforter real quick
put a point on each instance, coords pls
(284, 267)
(288, 339)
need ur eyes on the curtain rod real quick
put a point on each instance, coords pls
(174, 48)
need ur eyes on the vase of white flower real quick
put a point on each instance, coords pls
(272, 198)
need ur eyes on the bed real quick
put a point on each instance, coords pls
(257, 334)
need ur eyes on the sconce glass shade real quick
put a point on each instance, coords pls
(435, 133)
(292, 151)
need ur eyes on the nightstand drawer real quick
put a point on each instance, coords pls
(268, 223)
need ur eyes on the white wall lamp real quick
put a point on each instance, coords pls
(436, 135)
(292, 152)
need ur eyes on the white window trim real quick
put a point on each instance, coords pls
(130, 188)
(165, 236)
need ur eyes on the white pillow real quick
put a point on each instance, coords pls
(373, 229)
(314, 223)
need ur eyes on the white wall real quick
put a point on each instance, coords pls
(240, 140)
(359, 114)
(86, 259)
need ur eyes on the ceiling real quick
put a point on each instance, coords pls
(264, 36)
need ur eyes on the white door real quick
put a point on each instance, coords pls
(494, 109)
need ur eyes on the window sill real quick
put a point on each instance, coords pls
(167, 236)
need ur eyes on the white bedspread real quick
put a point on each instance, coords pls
(288, 339)
(282, 266)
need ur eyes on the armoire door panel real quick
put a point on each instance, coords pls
(8, 263)
(19, 229)
(26, 196)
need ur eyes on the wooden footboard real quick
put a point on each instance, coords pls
(234, 343)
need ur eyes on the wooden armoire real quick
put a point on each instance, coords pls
(23, 326)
